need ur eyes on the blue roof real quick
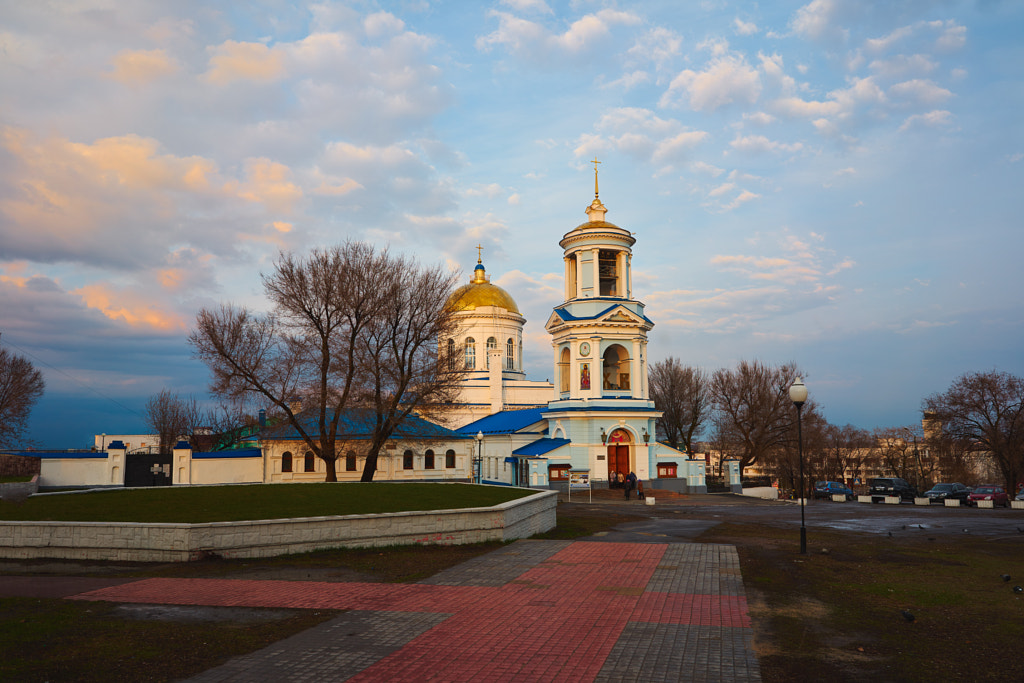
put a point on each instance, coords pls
(505, 422)
(566, 315)
(237, 453)
(358, 424)
(540, 447)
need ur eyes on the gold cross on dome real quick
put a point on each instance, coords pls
(479, 253)
(595, 162)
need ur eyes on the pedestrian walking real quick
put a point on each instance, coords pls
(630, 483)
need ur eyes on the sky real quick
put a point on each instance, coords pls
(835, 183)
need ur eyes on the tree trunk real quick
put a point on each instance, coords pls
(332, 468)
(370, 468)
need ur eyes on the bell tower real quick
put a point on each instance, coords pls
(599, 333)
(599, 338)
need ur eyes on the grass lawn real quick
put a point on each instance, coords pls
(198, 504)
(14, 480)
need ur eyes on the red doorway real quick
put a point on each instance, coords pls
(618, 453)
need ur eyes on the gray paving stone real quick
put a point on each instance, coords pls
(333, 651)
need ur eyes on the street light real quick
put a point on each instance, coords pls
(798, 394)
(479, 456)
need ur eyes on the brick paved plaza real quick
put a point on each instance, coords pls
(532, 611)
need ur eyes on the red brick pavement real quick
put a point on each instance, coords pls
(557, 621)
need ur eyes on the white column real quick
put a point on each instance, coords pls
(629, 276)
(635, 369)
(557, 378)
(568, 277)
(621, 289)
(497, 389)
(579, 274)
(596, 256)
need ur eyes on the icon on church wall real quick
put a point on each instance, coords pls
(585, 376)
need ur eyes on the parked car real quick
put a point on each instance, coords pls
(827, 489)
(1020, 496)
(880, 487)
(990, 492)
(943, 492)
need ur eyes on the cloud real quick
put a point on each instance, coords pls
(86, 201)
(759, 143)
(888, 42)
(641, 134)
(920, 91)
(953, 36)
(138, 67)
(819, 20)
(538, 6)
(759, 118)
(382, 23)
(938, 118)
(268, 182)
(530, 39)
(899, 66)
(727, 79)
(233, 61)
(744, 28)
(774, 70)
(658, 46)
(704, 167)
(128, 306)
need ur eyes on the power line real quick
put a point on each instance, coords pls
(72, 378)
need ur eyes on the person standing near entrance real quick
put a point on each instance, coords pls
(630, 483)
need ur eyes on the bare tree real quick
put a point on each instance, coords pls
(845, 450)
(754, 416)
(987, 411)
(682, 394)
(350, 328)
(172, 418)
(901, 452)
(226, 425)
(21, 385)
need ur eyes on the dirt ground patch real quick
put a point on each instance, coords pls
(923, 611)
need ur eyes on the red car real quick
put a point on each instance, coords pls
(989, 492)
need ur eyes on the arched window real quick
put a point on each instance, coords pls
(616, 369)
(350, 461)
(451, 354)
(428, 460)
(309, 464)
(449, 459)
(492, 344)
(510, 354)
(407, 460)
(470, 353)
(563, 372)
(286, 461)
(608, 268)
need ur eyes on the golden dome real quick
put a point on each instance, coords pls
(480, 292)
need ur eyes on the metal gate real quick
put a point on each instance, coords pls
(146, 468)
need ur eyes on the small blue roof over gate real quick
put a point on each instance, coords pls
(540, 447)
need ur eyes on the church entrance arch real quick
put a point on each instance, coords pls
(618, 453)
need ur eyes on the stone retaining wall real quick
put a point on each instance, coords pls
(137, 542)
(19, 490)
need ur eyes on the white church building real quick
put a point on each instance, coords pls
(598, 417)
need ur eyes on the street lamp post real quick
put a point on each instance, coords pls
(798, 394)
(477, 474)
